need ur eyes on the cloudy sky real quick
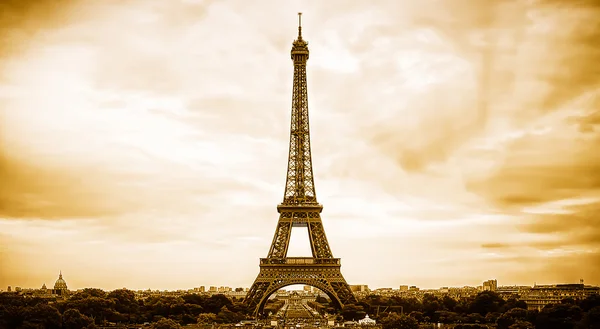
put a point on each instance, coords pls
(143, 143)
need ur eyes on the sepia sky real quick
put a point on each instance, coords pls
(143, 143)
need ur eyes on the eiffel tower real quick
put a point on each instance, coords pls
(299, 209)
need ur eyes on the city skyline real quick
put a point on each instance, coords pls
(296, 287)
(144, 143)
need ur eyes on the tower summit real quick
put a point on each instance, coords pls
(299, 208)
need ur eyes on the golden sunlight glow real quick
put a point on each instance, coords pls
(452, 143)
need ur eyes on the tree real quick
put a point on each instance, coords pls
(31, 325)
(510, 317)
(125, 302)
(98, 308)
(399, 321)
(227, 316)
(206, 318)
(446, 317)
(431, 304)
(520, 324)
(73, 319)
(532, 315)
(462, 306)
(89, 292)
(591, 320)
(43, 315)
(514, 303)
(353, 312)
(492, 317)
(449, 303)
(164, 323)
(194, 299)
(590, 302)
(215, 303)
(558, 316)
(417, 316)
(486, 302)
(475, 318)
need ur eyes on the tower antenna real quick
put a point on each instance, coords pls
(299, 25)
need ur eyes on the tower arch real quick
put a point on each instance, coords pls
(319, 284)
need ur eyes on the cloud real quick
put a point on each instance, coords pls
(442, 91)
(578, 226)
(574, 229)
(495, 245)
(534, 174)
(573, 69)
(22, 21)
(571, 268)
(33, 191)
(561, 267)
(589, 121)
(548, 180)
(495, 74)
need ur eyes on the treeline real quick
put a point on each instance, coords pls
(476, 312)
(94, 307)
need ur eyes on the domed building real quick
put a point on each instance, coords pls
(367, 321)
(43, 292)
(60, 287)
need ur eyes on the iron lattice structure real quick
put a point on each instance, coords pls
(299, 209)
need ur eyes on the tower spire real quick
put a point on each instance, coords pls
(299, 26)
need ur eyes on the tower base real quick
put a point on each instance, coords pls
(321, 273)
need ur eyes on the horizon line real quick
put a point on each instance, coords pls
(284, 288)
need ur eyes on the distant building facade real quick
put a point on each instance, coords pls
(490, 285)
(359, 288)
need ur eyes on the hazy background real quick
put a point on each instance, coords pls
(143, 143)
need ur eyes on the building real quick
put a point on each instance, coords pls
(359, 288)
(403, 288)
(542, 295)
(367, 321)
(490, 285)
(60, 286)
(507, 292)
